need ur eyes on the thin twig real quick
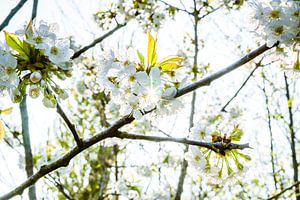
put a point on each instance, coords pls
(223, 109)
(71, 126)
(11, 14)
(180, 9)
(283, 191)
(110, 132)
(209, 145)
(59, 186)
(210, 12)
(272, 154)
(96, 41)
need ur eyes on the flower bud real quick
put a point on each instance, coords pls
(49, 103)
(63, 95)
(34, 91)
(35, 77)
(170, 93)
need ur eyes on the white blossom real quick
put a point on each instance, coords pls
(59, 52)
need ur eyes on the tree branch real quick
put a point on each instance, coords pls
(71, 126)
(11, 14)
(207, 80)
(96, 41)
(209, 145)
(283, 191)
(110, 132)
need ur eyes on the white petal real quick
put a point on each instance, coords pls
(143, 78)
(155, 77)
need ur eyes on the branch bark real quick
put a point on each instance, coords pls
(109, 132)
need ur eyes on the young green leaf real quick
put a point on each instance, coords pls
(14, 42)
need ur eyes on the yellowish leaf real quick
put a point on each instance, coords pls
(2, 130)
(170, 62)
(6, 111)
(152, 56)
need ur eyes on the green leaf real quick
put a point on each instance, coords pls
(135, 188)
(170, 62)
(14, 42)
(236, 133)
(36, 157)
(6, 111)
(246, 157)
(141, 58)
(152, 55)
(2, 130)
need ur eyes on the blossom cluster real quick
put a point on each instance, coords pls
(138, 88)
(278, 21)
(215, 129)
(31, 59)
(147, 12)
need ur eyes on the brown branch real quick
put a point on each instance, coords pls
(110, 132)
(283, 191)
(96, 41)
(207, 80)
(11, 14)
(71, 126)
(209, 145)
